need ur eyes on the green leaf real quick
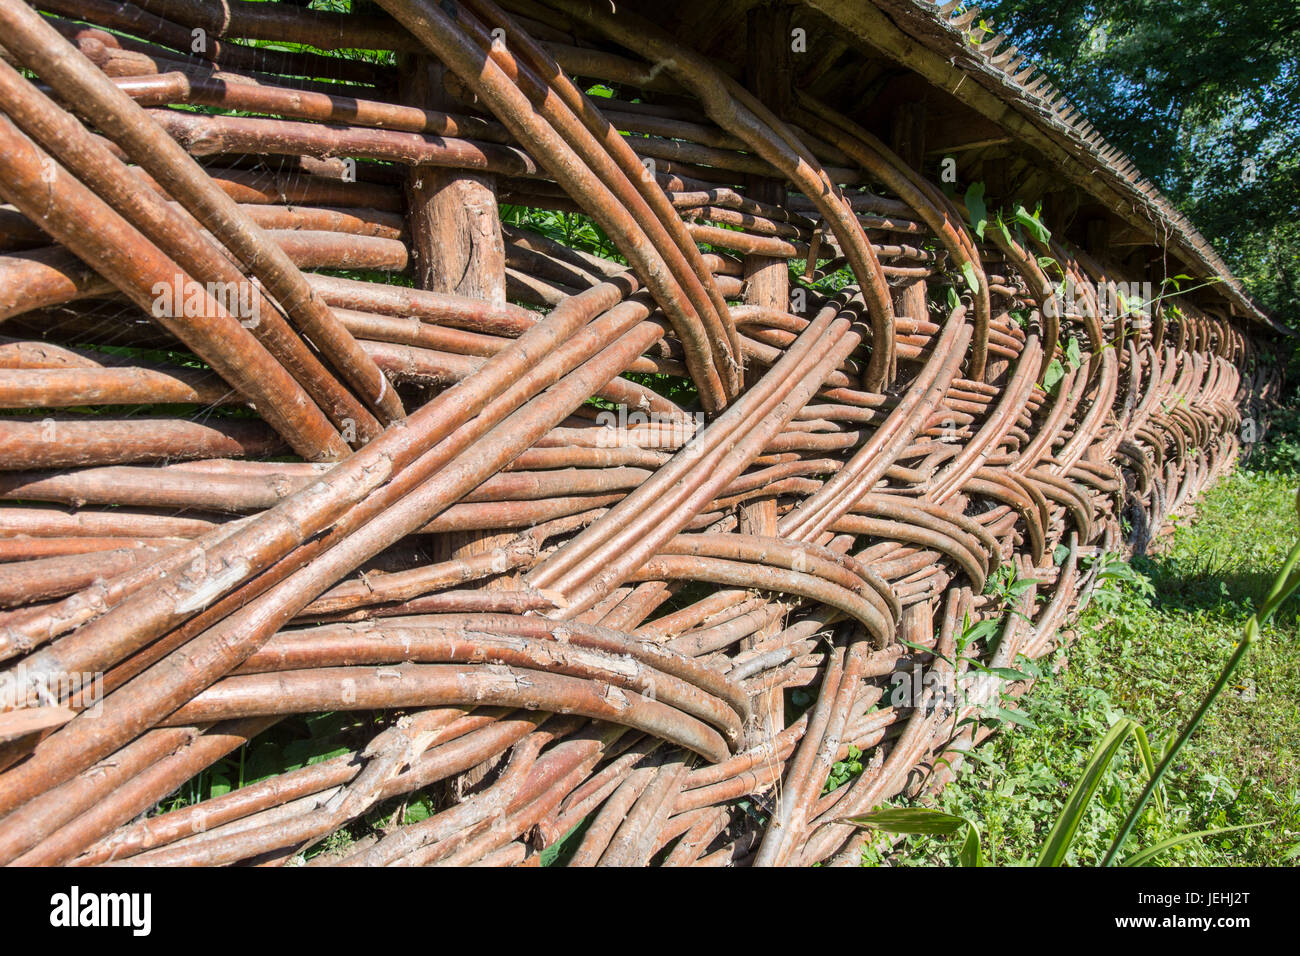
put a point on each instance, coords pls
(923, 648)
(972, 280)
(219, 786)
(975, 632)
(1073, 355)
(971, 854)
(417, 811)
(1007, 673)
(976, 209)
(912, 820)
(1033, 225)
(563, 847)
(1010, 716)
(1006, 232)
(922, 820)
(1055, 372)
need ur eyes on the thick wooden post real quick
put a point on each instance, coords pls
(908, 141)
(456, 242)
(767, 280)
(452, 215)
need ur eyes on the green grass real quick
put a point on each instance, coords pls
(1152, 654)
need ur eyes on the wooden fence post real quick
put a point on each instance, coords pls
(456, 245)
(767, 282)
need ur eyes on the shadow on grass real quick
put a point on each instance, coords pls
(1190, 585)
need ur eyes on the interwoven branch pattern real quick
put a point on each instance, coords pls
(611, 460)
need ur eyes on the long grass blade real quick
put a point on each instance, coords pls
(1067, 823)
(1151, 852)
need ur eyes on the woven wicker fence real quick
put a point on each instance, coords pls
(615, 464)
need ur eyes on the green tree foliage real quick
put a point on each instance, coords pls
(1204, 95)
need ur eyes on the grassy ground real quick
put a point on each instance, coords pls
(1151, 653)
